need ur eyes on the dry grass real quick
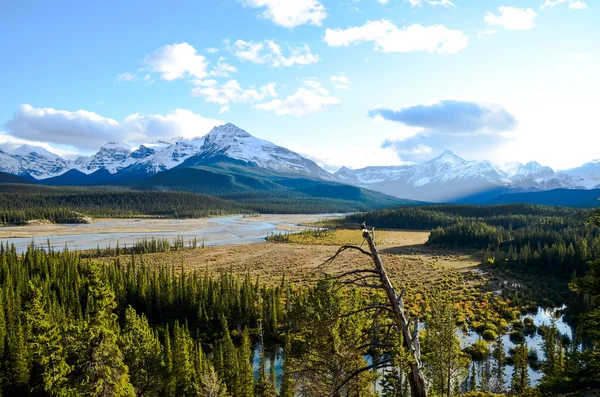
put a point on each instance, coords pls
(418, 270)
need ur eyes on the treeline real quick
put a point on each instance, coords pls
(509, 216)
(53, 215)
(551, 239)
(22, 203)
(35, 202)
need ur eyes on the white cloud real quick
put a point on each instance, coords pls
(88, 130)
(223, 69)
(125, 77)
(176, 123)
(231, 92)
(511, 18)
(443, 3)
(271, 53)
(342, 82)
(290, 13)
(354, 156)
(573, 4)
(9, 142)
(211, 50)
(577, 5)
(389, 38)
(312, 98)
(176, 61)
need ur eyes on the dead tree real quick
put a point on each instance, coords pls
(394, 308)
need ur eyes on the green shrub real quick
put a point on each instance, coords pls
(489, 335)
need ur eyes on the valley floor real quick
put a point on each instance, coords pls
(230, 230)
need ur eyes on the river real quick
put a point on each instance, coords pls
(230, 230)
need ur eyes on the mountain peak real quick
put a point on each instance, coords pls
(448, 157)
(229, 129)
(24, 150)
(115, 145)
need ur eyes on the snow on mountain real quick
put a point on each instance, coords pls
(588, 174)
(10, 165)
(449, 177)
(233, 142)
(38, 162)
(169, 156)
(112, 157)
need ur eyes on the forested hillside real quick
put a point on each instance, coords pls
(21, 203)
(550, 239)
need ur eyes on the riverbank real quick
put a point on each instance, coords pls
(230, 230)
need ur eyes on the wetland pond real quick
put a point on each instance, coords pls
(533, 340)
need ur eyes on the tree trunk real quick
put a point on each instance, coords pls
(416, 379)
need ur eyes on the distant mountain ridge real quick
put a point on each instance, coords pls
(450, 178)
(227, 140)
(249, 162)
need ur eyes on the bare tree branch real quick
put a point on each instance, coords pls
(377, 365)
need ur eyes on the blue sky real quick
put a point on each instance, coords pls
(344, 82)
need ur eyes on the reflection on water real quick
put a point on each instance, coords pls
(534, 341)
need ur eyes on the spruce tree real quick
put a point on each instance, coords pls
(100, 370)
(246, 380)
(211, 385)
(264, 388)
(50, 369)
(16, 361)
(230, 370)
(446, 362)
(143, 354)
(498, 372)
(520, 378)
(287, 381)
(169, 387)
(183, 367)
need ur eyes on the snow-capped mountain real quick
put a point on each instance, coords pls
(39, 163)
(168, 156)
(587, 174)
(449, 177)
(230, 141)
(10, 165)
(112, 157)
(34, 161)
(222, 142)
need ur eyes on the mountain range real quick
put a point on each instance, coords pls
(450, 178)
(228, 160)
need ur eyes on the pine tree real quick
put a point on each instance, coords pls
(169, 387)
(520, 378)
(50, 369)
(229, 366)
(287, 382)
(246, 381)
(16, 361)
(498, 371)
(143, 354)
(264, 388)
(100, 370)
(446, 362)
(183, 368)
(211, 385)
